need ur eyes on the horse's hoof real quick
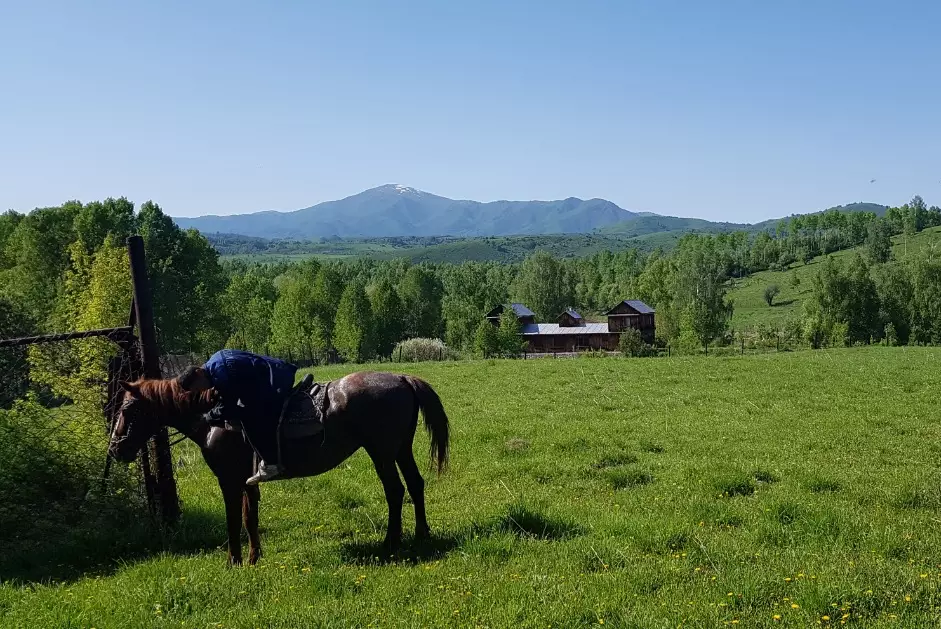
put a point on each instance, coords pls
(423, 534)
(253, 557)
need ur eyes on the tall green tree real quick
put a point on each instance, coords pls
(878, 241)
(187, 283)
(353, 330)
(297, 328)
(542, 285)
(422, 291)
(388, 314)
(38, 248)
(699, 289)
(248, 304)
(508, 337)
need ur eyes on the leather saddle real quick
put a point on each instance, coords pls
(304, 410)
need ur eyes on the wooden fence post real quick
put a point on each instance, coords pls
(160, 456)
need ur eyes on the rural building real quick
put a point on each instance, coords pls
(523, 314)
(571, 333)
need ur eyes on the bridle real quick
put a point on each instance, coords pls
(183, 429)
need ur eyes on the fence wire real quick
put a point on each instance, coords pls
(55, 400)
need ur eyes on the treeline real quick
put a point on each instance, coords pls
(65, 268)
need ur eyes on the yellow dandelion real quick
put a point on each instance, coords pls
(795, 606)
(776, 617)
(825, 618)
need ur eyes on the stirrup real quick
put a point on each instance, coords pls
(265, 473)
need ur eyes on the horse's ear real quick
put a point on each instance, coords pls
(133, 389)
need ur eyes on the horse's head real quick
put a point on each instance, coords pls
(150, 404)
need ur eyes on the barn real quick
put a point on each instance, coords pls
(572, 333)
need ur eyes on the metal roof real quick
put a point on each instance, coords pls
(572, 313)
(639, 306)
(541, 329)
(636, 304)
(522, 311)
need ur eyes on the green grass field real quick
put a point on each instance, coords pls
(794, 489)
(748, 294)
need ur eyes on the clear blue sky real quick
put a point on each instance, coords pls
(728, 110)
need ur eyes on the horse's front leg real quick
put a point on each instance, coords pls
(250, 512)
(232, 495)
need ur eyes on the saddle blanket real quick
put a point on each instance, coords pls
(304, 413)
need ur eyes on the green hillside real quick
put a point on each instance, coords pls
(748, 294)
(642, 225)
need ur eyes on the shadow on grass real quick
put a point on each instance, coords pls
(782, 303)
(413, 550)
(525, 521)
(100, 544)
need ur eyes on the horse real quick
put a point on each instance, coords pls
(371, 410)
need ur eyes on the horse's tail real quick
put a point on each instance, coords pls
(436, 421)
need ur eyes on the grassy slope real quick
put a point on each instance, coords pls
(589, 491)
(748, 294)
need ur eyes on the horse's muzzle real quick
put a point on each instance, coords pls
(122, 451)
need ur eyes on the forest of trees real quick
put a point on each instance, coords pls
(65, 268)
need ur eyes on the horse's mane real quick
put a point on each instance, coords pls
(169, 395)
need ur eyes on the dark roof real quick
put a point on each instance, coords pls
(572, 313)
(522, 311)
(636, 304)
(639, 306)
(519, 309)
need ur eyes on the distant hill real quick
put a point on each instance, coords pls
(641, 225)
(644, 223)
(642, 230)
(394, 210)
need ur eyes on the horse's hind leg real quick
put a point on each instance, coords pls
(395, 492)
(250, 514)
(416, 489)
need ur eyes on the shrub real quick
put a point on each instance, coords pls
(631, 343)
(51, 463)
(422, 350)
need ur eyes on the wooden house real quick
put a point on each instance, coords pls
(571, 333)
(632, 314)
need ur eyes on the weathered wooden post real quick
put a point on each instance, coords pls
(160, 457)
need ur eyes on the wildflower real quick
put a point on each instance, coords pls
(825, 618)
(795, 606)
(908, 599)
(776, 617)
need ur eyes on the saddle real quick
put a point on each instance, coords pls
(304, 410)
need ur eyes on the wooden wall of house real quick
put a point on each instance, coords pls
(549, 343)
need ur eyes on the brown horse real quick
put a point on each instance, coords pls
(370, 410)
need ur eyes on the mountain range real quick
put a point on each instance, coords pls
(399, 211)
(393, 210)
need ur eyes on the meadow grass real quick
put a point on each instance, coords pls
(794, 489)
